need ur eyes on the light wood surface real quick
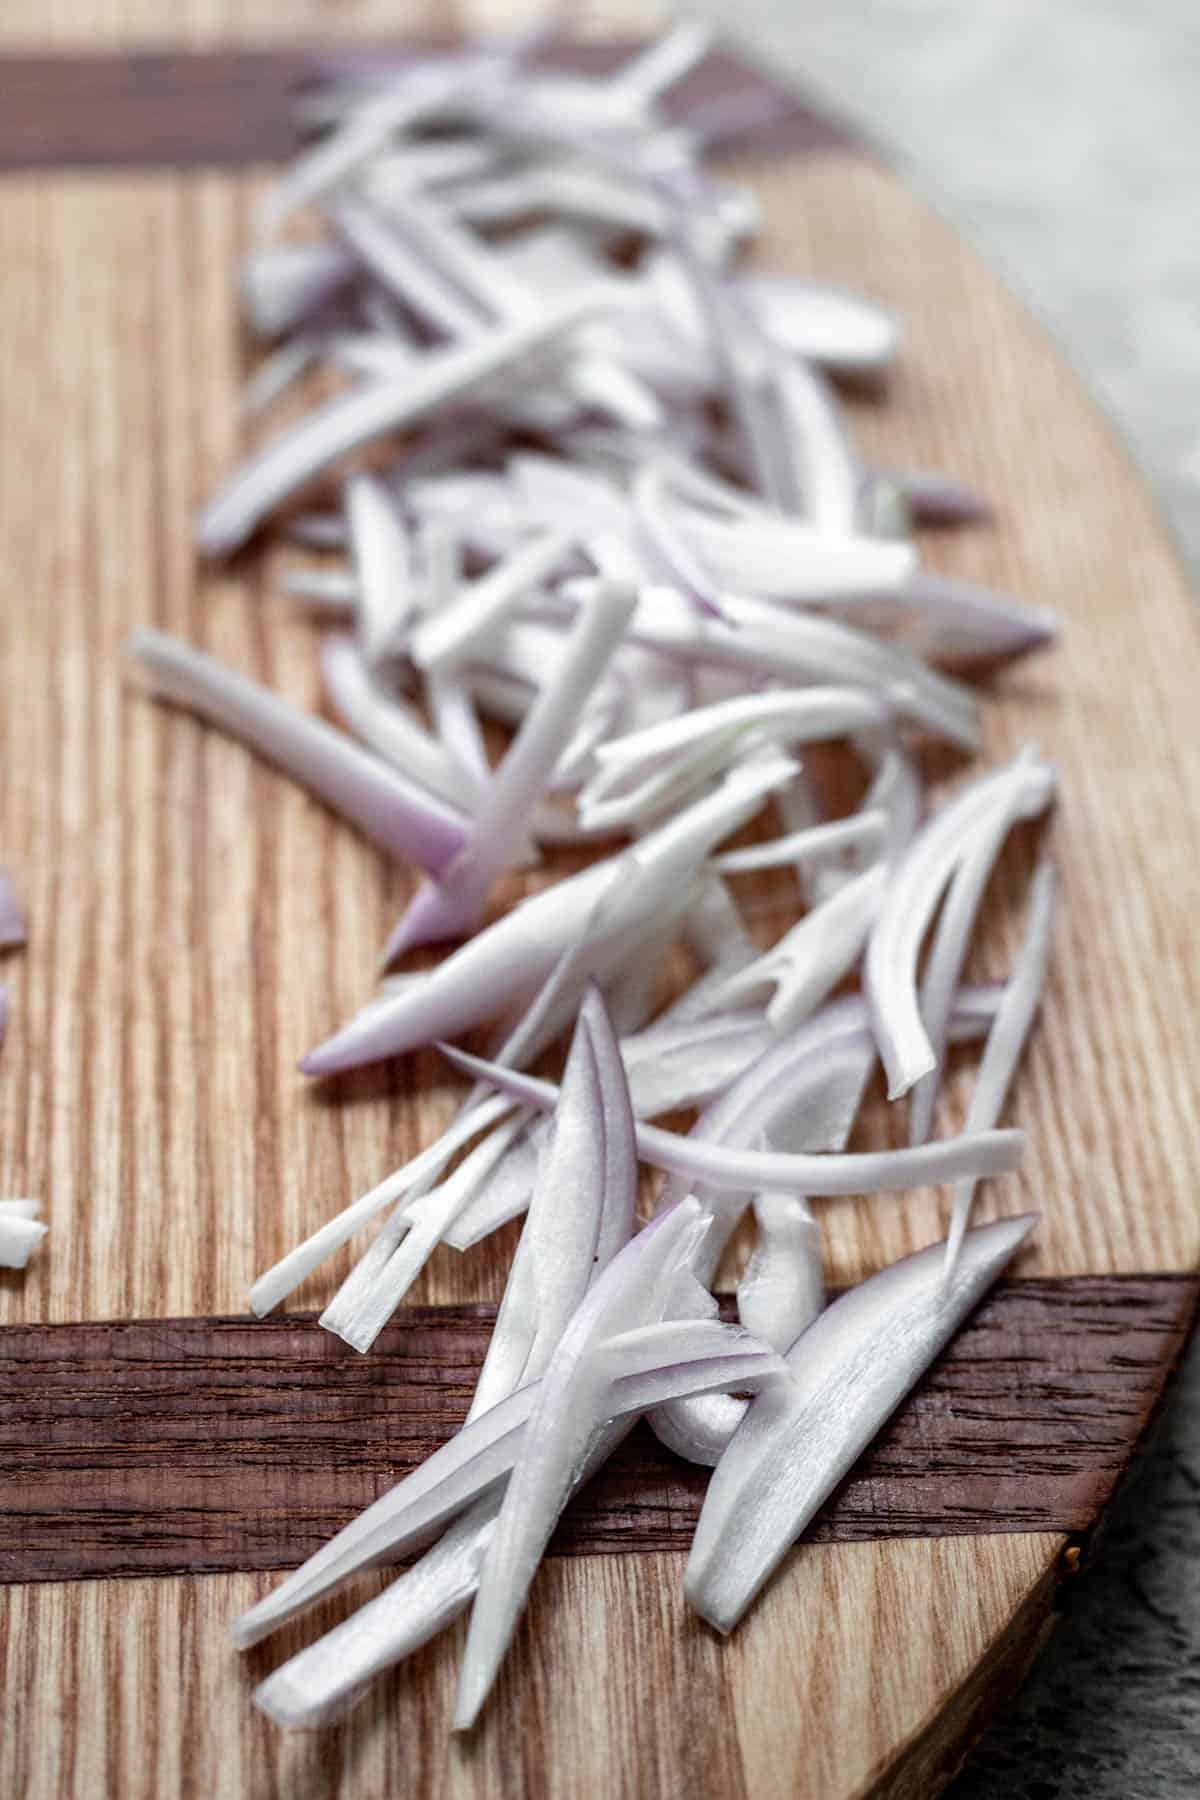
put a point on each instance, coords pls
(612, 1688)
(197, 923)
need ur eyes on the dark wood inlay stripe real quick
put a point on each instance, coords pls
(229, 108)
(187, 1445)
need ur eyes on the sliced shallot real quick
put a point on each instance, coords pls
(850, 1371)
(405, 819)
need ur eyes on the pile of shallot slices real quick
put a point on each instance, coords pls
(589, 478)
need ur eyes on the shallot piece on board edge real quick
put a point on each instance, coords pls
(12, 916)
(605, 594)
(21, 1231)
(850, 1370)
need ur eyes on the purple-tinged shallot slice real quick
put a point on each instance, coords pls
(507, 808)
(404, 274)
(749, 1171)
(355, 418)
(451, 705)
(935, 498)
(316, 1684)
(686, 1064)
(801, 970)
(826, 469)
(803, 1096)
(952, 624)
(779, 558)
(508, 960)
(666, 543)
(405, 819)
(478, 1455)
(507, 1194)
(689, 1063)
(12, 916)
(646, 76)
(330, 162)
(798, 647)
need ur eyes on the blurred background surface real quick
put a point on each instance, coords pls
(1063, 138)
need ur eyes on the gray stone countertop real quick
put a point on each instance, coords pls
(1062, 138)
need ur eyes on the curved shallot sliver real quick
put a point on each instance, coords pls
(508, 960)
(507, 808)
(463, 630)
(716, 1165)
(951, 941)
(363, 414)
(1006, 1040)
(915, 886)
(850, 1371)
(782, 1288)
(446, 1482)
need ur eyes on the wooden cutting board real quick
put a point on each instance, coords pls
(197, 922)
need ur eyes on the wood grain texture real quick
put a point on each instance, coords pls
(196, 1445)
(197, 923)
(612, 1688)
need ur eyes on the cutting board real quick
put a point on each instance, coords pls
(197, 922)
